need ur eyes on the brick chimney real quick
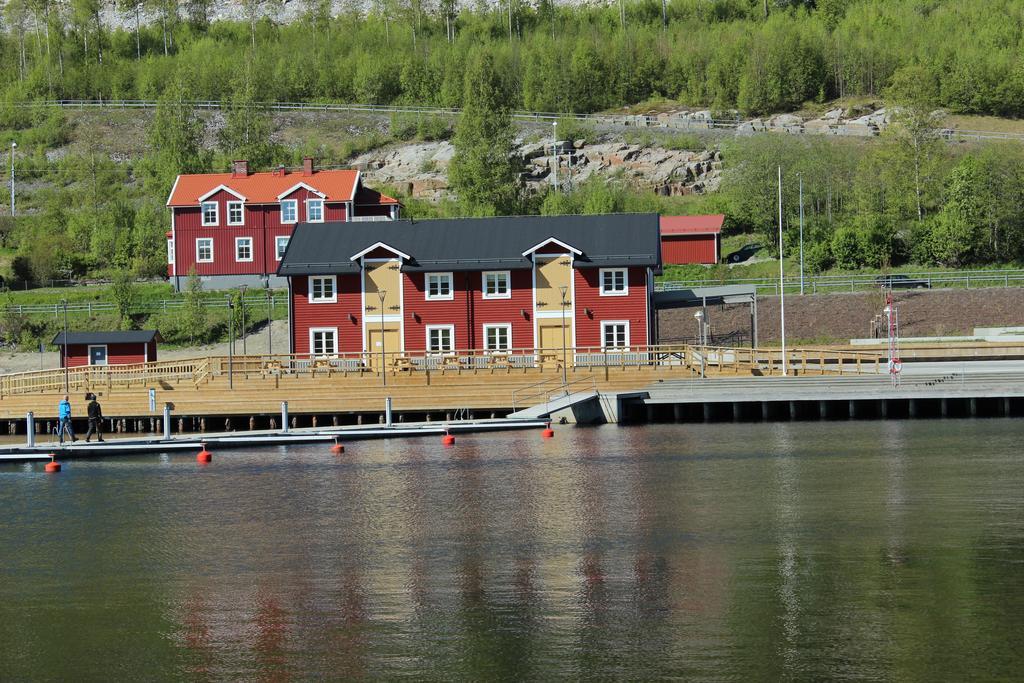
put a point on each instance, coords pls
(239, 169)
(307, 166)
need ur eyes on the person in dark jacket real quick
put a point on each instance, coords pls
(95, 419)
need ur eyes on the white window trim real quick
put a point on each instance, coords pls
(294, 202)
(204, 239)
(334, 289)
(170, 250)
(241, 206)
(323, 209)
(216, 214)
(277, 252)
(508, 284)
(106, 354)
(443, 297)
(507, 326)
(251, 249)
(333, 331)
(625, 281)
(606, 323)
(451, 330)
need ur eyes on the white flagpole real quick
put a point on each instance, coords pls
(782, 291)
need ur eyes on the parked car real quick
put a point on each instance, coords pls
(743, 253)
(901, 282)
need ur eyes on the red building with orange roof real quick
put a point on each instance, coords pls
(233, 228)
(691, 239)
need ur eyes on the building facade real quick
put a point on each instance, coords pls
(233, 228)
(493, 285)
(691, 239)
(106, 348)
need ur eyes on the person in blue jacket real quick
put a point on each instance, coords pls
(64, 413)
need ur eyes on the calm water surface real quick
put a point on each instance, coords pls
(860, 550)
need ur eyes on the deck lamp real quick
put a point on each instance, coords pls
(231, 341)
(564, 289)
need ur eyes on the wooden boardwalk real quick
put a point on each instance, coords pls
(467, 381)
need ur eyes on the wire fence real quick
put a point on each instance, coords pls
(815, 284)
(256, 304)
(664, 121)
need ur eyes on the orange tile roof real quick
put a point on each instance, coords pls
(264, 188)
(369, 196)
(690, 225)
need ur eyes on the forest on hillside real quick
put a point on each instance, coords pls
(758, 56)
(907, 197)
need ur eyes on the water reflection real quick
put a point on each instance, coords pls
(807, 550)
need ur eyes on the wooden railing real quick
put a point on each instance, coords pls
(690, 358)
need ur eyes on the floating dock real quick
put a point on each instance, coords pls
(253, 439)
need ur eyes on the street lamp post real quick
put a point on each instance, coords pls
(702, 341)
(565, 380)
(241, 305)
(382, 294)
(270, 319)
(231, 343)
(64, 303)
(14, 146)
(782, 290)
(801, 176)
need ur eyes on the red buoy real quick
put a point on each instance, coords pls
(53, 465)
(548, 432)
(204, 455)
(448, 439)
(337, 448)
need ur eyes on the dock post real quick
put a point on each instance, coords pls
(912, 408)
(883, 408)
(822, 410)
(737, 411)
(974, 407)
(30, 429)
(852, 409)
(284, 416)
(944, 407)
(677, 412)
(765, 411)
(1006, 406)
(167, 422)
(387, 412)
(792, 410)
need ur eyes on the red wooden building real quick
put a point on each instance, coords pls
(489, 284)
(691, 239)
(233, 228)
(107, 348)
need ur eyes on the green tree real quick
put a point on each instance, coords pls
(485, 168)
(194, 317)
(176, 137)
(247, 124)
(125, 295)
(957, 236)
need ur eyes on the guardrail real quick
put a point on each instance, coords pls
(199, 371)
(619, 121)
(814, 284)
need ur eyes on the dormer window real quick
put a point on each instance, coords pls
(236, 214)
(289, 211)
(210, 213)
(315, 210)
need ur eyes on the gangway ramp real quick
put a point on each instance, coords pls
(556, 403)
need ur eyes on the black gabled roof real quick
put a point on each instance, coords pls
(114, 337)
(609, 240)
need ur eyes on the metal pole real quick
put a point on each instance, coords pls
(14, 146)
(382, 293)
(167, 422)
(284, 416)
(565, 380)
(270, 321)
(782, 291)
(387, 411)
(30, 429)
(231, 343)
(554, 153)
(241, 303)
(67, 382)
(801, 234)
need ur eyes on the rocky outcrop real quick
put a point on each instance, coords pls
(420, 169)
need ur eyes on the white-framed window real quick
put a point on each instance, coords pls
(497, 284)
(236, 213)
(614, 282)
(289, 210)
(281, 243)
(315, 210)
(323, 341)
(211, 211)
(440, 338)
(204, 250)
(323, 289)
(439, 286)
(243, 249)
(170, 250)
(615, 334)
(498, 337)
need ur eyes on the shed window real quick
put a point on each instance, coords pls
(614, 282)
(615, 335)
(323, 290)
(323, 341)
